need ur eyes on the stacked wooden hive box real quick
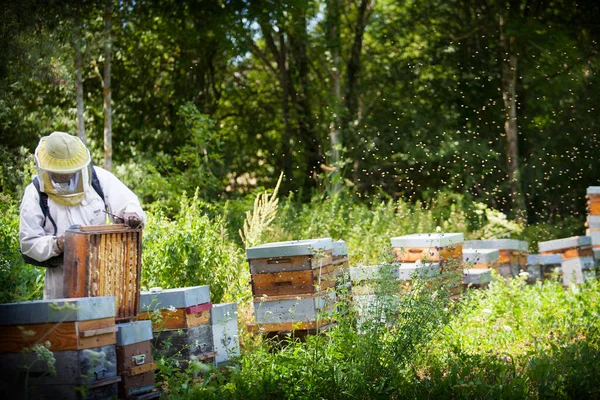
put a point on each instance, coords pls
(593, 219)
(542, 266)
(577, 257)
(181, 323)
(135, 362)
(377, 289)
(80, 333)
(444, 249)
(512, 254)
(480, 263)
(293, 284)
(224, 325)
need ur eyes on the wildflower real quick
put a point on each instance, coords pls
(172, 308)
(438, 229)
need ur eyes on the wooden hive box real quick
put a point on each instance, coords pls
(224, 322)
(105, 260)
(430, 247)
(593, 200)
(573, 247)
(477, 278)
(135, 363)
(482, 258)
(578, 270)
(81, 333)
(512, 254)
(185, 332)
(179, 308)
(293, 312)
(292, 268)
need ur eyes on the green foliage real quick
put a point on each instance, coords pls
(18, 281)
(193, 249)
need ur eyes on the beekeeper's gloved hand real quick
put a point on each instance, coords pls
(60, 243)
(131, 219)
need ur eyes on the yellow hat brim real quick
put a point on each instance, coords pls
(47, 162)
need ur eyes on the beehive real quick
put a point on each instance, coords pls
(293, 312)
(135, 363)
(429, 247)
(224, 322)
(512, 254)
(477, 278)
(340, 255)
(482, 258)
(105, 260)
(592, 224)
(182, 329)
(578, 270)
(81, 334)
(573, 247)
(292, 268)
(593, 200)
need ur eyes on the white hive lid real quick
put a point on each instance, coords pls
(57, 310)
(428, 240)
(477, 276)
(408, 271)
(178, 298)
(291, 248)
(593, 190)
(480, 255)
(498, 244)
(340, 248)
(566, 243)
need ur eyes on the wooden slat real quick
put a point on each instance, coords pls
(141, 369)
(414, 254)
(104, 228)
(177, 319)
(574, 252)
(62, 336)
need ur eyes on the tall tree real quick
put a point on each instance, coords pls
(78, 69)
(107, 89)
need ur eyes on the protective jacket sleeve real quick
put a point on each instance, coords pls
(35, 241)
(119, 198)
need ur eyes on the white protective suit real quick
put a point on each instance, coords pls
(39, 242)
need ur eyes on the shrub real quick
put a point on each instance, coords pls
(193, 249)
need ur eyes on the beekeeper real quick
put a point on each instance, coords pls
(68, 190)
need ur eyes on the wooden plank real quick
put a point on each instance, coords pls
(292, 263)
(177, 319)
(413, 254)
(199, 308)
(96, 332)
(141, 369)
(104, 228)
(294, 282)
(288, 326)
(575, 252)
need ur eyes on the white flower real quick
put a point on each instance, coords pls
(438, 229)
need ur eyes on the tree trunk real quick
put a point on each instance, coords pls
(306, 125)
(285, 82)
(335, 123)
(107, 88)
(511, 129)
(78, 78)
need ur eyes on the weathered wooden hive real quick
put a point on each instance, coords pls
(135, 363)
(593, 200)
(428, 247)
(477, 278)
(293, 284)
(542, 266)
(181, 322)
(577, 257)
(481, 258)
(512, 254)
(224, 321)
(377, 287)
(105, 260)
(81, 334)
